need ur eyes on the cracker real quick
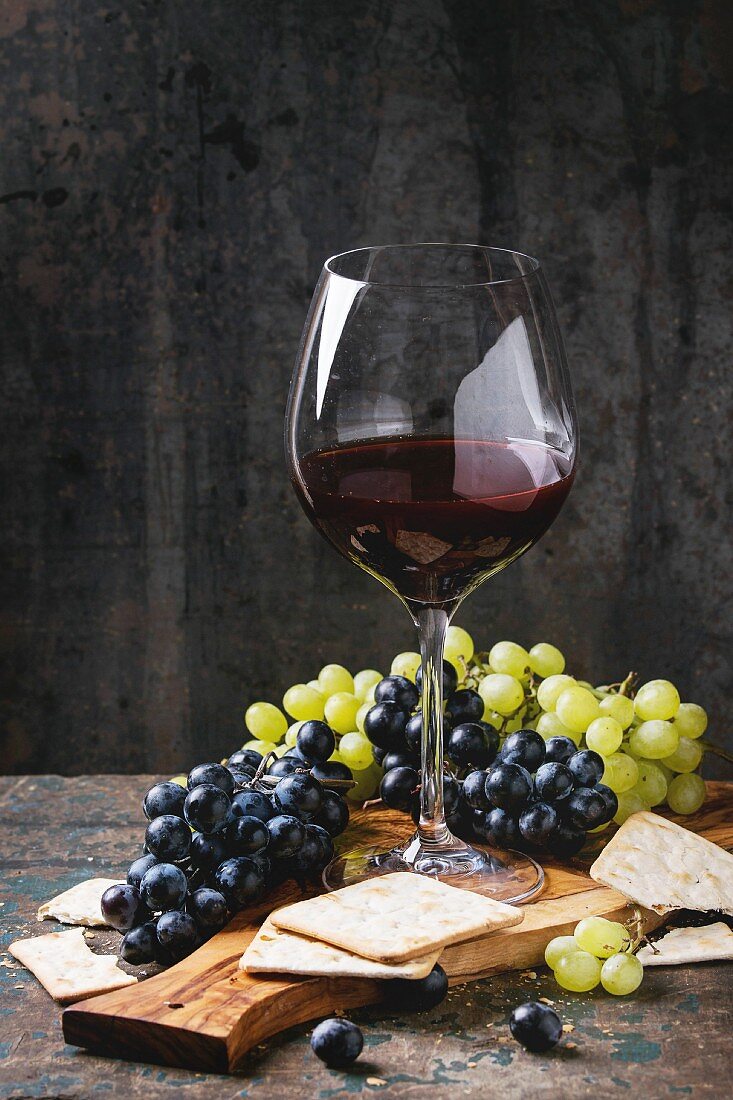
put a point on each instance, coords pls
(690, 945)
(79, 905)
(66, 967)
(662, 866)
(396, 917)
(274, 951)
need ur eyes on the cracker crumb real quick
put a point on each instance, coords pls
(545, 1000)
(571, 1046)
(471, 1065)
(532, 974)
(376, 1081)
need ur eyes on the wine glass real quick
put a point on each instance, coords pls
(431, 438)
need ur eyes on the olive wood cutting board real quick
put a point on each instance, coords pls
(206, 1014)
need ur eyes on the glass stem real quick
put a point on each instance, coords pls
(432, 624)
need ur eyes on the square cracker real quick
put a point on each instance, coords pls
(396, 917)
(79, 905)
(275, 951)
(662, 866)
(690, 945)
(66, 967)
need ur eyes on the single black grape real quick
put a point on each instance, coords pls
(242, 774)
(397, 788)
(553, 782)
(400, 759)
(164, 798)
(465, 705)
(566, 840)
(333, 815)
(207, 852)
(312, 855)
(537, 822)
(287, 834)
(608, 796)
(472, 744)
(474, 790)
(379, 754)
(139, 867)
(215, 774)
(501, 829)
(140, 945)
(536, 1026)
(246, 835)
(413, 733)
(240, 880)
(208, 908)
(286, 765)
(398, 690)
(177, 933)
(526, 748)
(586, 767)
(250, 757)
(206, 808)
(418, 995)
(252, 804)
(324, 839)
(332, 769)
(123, 907)
(337, 1042)
(585, 808)
(384, 725)
(558, 750)
(163, 887)
(451, 793)
(316, 741)
(300, 795)
(508, 786)
(168, 838)
(450, 679)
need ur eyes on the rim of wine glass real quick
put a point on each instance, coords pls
(536, 266)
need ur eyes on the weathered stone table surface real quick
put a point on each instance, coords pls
(673, 1038)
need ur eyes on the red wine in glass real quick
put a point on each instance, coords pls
(433, 518)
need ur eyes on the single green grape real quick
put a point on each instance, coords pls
(559, 947)
(579, 971)
(546, 660)
(281, 749)
(690, 720)
(366, 781)
(576, 708)
(686, 793)
(628, 803)
(510, 658)
(658, 699)
(619, 707)
(336, 757)
(366, 680)
(458, 645)
(601, 937)
(666, 772)
(651, 786)
(335, 678)
(315, 685)
(621, 974)
(620, 772)
(654, 739)
(262, 747)
(501, 692)
(686, 757)
(265, 721)
(361, 715)
(604, 735)
(303, 703)
(341, 710)
(550, 690)
(180, 780)
(406, 664)
(356, 751)
(518, 722)
(549, 725)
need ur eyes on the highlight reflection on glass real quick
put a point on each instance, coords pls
(431, 436)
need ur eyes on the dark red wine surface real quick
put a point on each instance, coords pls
(433, 517)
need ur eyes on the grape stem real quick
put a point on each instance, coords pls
(717, 750)
(622, 687)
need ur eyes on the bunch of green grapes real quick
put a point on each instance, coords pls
(599, 950)
(649, 741)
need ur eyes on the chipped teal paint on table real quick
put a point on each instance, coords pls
(673, 1038)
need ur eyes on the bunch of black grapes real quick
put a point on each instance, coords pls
(527, 795)
(216, 847)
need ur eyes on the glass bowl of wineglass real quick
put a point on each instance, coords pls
(431, 438)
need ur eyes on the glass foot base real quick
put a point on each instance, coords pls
(502, 875)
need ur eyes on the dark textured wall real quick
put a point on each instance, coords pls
(173, 176)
